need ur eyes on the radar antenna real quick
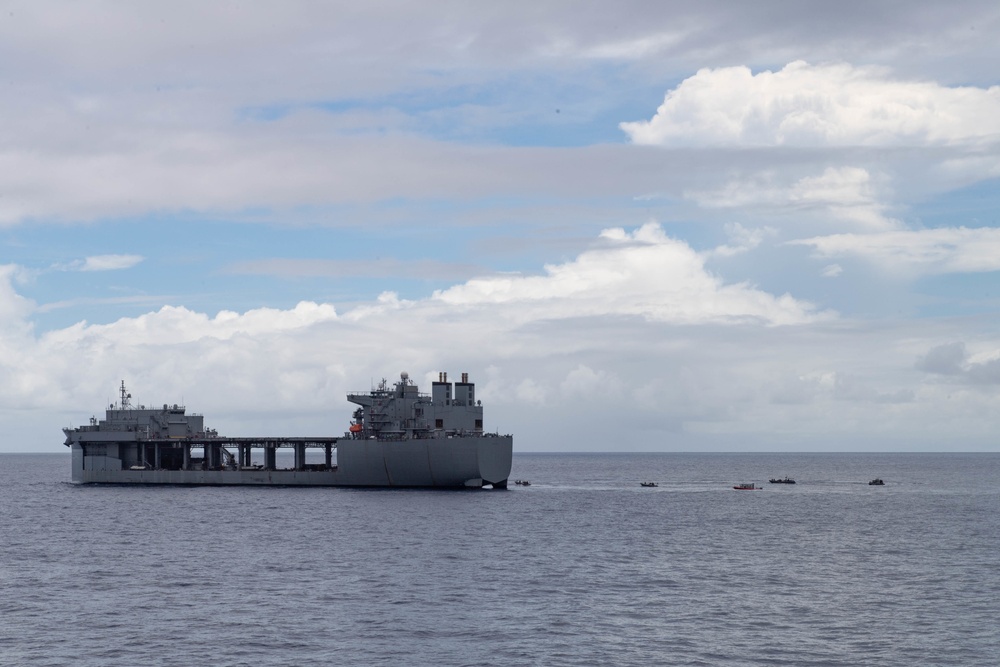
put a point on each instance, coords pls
(125, 396)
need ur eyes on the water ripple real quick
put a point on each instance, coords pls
(584, 567)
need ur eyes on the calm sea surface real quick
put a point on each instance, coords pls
(583, 567)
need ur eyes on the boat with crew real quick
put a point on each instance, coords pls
(747, 486)
(876, 482)
(786, 480)
(648, 484)
(397, 437)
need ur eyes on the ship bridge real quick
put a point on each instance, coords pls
(401, 412)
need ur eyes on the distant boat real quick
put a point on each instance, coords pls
(876, 482)
(787, 480)
(647, 484)
(747, 486)
(522, 482)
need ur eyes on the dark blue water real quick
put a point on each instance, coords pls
(584, 567)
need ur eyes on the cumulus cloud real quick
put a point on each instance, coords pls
(817, 105)
(295, 361)
(175, 325)
(948, 359)
(837, 147)
(956, 363)
(741, 239)
(643, 273)
(926, 251)
(849, 195)
(586, 383)
(284, 372)
(248, 127)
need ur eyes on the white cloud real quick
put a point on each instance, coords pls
(249, 122)
(23, 274)
(14, 308)
(741, 240)
(179, 325)
(244, 367)
(832, 270)
(818, 105)
(927, 251)
(110, 262)
(845, 186)
(835, 147)
(643, 273)
(848, 196)
(532, 392)
(286, 114)
(584, 383)
(559, 382)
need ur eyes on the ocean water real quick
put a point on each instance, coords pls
(583, 567)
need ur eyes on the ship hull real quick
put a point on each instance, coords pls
(454, 462)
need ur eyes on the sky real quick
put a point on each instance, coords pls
(638, 226)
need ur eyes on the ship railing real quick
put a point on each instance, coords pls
(386, 393)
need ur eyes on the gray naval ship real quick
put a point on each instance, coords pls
(398, 437)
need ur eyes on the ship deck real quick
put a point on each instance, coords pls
(259, 441)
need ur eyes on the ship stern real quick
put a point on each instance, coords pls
(495, 455)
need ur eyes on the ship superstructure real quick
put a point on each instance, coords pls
(401, 412)
(398, 437)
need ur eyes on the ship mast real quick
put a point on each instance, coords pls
(124, 397)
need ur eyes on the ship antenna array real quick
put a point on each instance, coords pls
(125, 396)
